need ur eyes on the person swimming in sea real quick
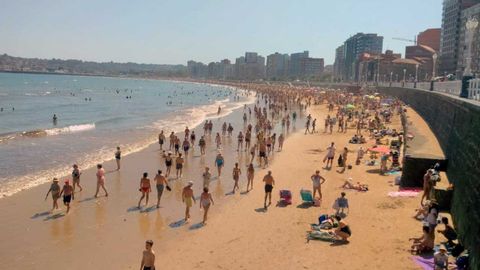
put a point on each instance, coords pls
(54, 119)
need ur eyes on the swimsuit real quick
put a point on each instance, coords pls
(67, 198)
(346, 230)
(219, 162)
(179, 166)
(168, 163)
(268, 188)
(189, 201)
(160, 189)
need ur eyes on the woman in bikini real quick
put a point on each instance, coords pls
(250, 174)
(145, 188)
(343, 231)
(101, 180)
(205, 201)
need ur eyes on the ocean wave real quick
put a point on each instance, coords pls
(70, 129)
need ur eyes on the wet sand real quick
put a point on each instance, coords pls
(109, 233)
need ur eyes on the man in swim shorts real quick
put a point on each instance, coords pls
(188, 199)
(179, 165)
(144, 188)
(269, 183)
(148, 257)
(67, 192)
(161, 183)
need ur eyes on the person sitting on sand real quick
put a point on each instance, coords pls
(148, 257)
(440, 259)
(55, 190)
(350, 185)
(188, 199)
(448, 231)
(205, 201)
(340, 204)
(424, 243)
(145, 188)
(67, 192)
(343, 231)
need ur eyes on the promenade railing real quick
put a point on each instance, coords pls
(448, 87)
(474, 89)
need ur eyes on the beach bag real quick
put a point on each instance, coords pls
(322, 218)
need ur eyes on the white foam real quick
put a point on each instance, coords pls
(70, 129)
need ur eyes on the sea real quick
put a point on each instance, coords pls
(94, 116)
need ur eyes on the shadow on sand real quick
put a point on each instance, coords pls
(55, 216)
(261, 210)
(196, 226)
(42, 214)
(305, 205)
(177, 224)
(149, 209)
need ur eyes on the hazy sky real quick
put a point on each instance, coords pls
(172, 32)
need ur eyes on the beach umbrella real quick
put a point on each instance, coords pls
(350, 106)
(371, 97)
(380, 149)
(385, 104)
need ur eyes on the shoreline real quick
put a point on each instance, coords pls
(135, 147)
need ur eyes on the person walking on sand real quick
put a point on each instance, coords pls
(240, 141)
(307, 126)
(118, 156)
(250, 175)
(281, 139)
(179, 165)
(168, 163)
(148, 257)
(100, 180)
(344, 160)
(206, 177)
(67, 192)
(269, 183)
(161, 182)
(202, 144)
(205, 201)
(188, 199)
(236, 176)
(314, 124)
(161, 139)
(219, 162)
(218, 141)
(192, 138)
(317, 181)
(76, 178)
(172, 140)
(253, 149)
(186, 146)
(145, 189)
(55, 190)
(330, 156)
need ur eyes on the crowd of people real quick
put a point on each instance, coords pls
(367, 116)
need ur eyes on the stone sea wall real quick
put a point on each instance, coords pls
(456, 123)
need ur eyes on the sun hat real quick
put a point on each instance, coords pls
(442, 247)
(55, 180)
(190, 183)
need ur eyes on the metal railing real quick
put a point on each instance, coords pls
(474, 89)
(448, 87)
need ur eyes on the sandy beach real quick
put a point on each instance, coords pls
(109, 233)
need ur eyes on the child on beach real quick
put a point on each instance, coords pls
(118, 157)
(55, 190)
(148, 257)
(340, 204)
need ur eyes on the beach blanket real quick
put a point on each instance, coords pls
(425, 263)
(321, 235)
(392, 172)
(403, 193)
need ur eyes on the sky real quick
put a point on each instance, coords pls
(175, 31)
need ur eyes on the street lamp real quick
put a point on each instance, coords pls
(404, 75)
(471, 25)
(416, 73)
(434, 68)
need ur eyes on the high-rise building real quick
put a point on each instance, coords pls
(312, 68)
(450, 36)
(295, 64)
(469, 47)
(339, 64)
(250, 67)
(430, 38)
(277, 65)
(354, 47)
(197, 69)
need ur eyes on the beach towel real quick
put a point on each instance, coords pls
(306, 196)
(321, 235)
(392, 172)
(403, 193)
(425, 263)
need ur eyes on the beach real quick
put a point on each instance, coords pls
(110, 232)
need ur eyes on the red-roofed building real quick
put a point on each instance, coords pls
(430, 38)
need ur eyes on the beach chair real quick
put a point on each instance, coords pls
(285, 197)
(307, 196)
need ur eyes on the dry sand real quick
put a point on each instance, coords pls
(108, 233)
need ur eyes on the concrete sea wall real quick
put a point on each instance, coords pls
(456, 123)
